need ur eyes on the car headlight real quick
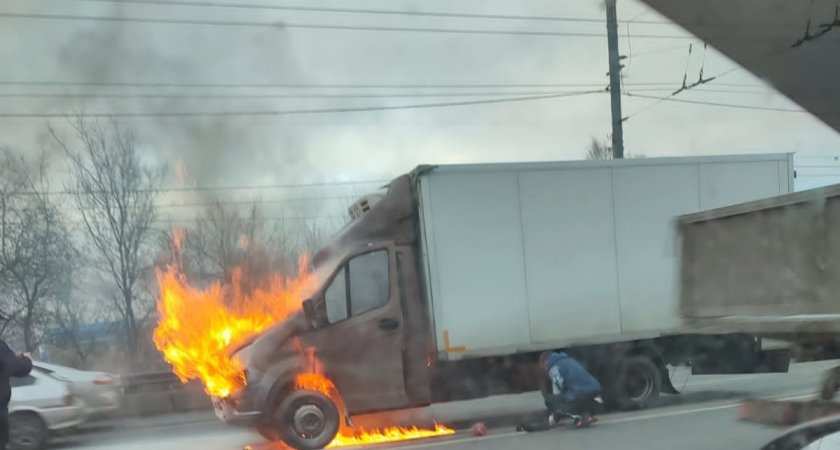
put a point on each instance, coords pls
(243, 356)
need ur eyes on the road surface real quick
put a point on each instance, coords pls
(704, 417)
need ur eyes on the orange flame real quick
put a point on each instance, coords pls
(346, 437)
(389, 434)
(196, 326)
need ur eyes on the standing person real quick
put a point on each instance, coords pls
(571, 390)
(11, 365)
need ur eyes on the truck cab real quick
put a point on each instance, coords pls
(366, 322)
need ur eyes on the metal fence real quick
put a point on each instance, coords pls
(160, 393)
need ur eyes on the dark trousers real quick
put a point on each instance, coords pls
(4, 429)
(583, 405)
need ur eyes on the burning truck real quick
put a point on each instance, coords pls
(450, 284)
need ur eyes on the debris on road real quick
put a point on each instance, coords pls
(479, 429)
(785, 412)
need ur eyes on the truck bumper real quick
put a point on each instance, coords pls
(236, 411)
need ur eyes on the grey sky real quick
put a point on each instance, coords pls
(378, 145)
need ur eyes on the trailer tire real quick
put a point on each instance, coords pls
(637, 383)
(304, 420)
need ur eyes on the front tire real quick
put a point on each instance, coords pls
(305, 420)
(26, 431)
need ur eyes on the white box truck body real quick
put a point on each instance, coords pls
(526, 256)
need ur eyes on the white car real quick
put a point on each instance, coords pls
(99, 391)
(40, 405)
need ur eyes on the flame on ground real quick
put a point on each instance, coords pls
(346, 437)
(389, 434)
(196, 326)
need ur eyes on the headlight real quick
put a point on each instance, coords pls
(243, 356)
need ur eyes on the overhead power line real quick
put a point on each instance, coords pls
(259, 202)
(264, 96)
(272, 219)
(311, 26)
(258, 219)
(286, 112)
(452, 14)
(330, 85)
(724, 105)
(701, 82)
(659, 50)
(385, 12)
(205, 96)
(223, 188)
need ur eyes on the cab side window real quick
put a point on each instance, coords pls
(368, 282)
(361, 285)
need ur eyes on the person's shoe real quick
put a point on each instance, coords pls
(552, 420)
(591, 419)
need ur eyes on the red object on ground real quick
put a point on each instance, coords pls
(479, 429)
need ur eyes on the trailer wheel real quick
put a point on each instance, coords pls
(637, 383)
(305, 420)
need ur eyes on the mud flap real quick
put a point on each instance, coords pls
(667, 385)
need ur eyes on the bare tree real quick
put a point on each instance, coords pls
(599, 150)
(115, 195)
(223, 238)
(226, 238)
(12, 185)
(37, 248)
(75, 321)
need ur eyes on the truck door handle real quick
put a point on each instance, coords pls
(389, 323)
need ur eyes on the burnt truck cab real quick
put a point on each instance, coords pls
(367, 324)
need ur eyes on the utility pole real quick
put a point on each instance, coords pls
(2, 229)
(615, 81)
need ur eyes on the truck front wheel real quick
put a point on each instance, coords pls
(305, 420)
(636, 384)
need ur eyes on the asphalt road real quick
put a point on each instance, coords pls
(703, 417)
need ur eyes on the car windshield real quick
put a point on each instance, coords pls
(309, 224)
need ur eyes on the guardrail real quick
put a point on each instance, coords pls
(160, 393)
(140, 382)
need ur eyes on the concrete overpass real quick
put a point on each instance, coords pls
(792, 44)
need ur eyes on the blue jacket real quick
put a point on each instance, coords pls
(569, 379)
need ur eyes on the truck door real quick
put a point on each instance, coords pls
(361, 342)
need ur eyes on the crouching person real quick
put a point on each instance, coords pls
(571, 391)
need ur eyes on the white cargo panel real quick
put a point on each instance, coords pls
(484, 271)
(577, 263)
(529, 256)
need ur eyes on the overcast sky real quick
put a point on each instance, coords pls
(236, 150)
